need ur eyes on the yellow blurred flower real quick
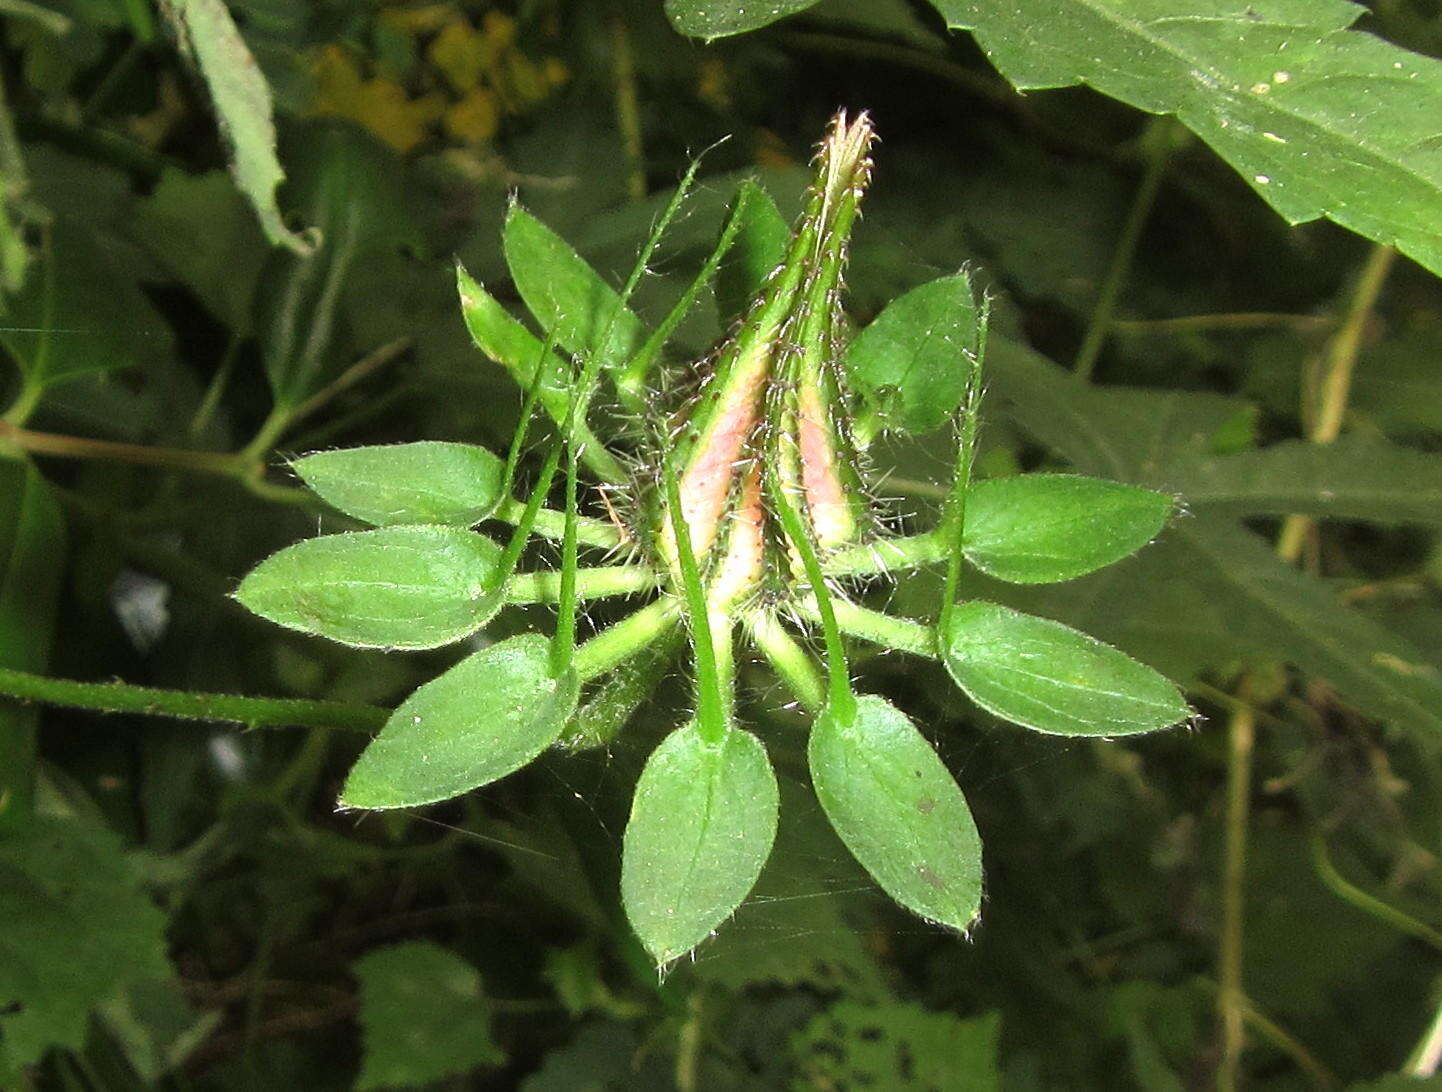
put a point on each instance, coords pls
(475, 118)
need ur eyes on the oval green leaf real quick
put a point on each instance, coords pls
(898, 810)
(721, 18)
(566, 294)
(913, 362)
(1052, 678)
(425, 482)
(401, 587)
(1041, 528)
(702, 823)
(488, 716)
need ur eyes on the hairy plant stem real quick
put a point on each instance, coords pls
(792, 663)
(876, 627)
(1157, 143)
(186, 705)
(600, 582)
(889, 555)
(618, 643)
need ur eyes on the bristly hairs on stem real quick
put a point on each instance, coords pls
(953, 525)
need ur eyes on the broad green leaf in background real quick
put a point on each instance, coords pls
(400, 587)
(208, 38)
(425, 482)
(721, 18)
(1354, 478)
(565, 294)
(424, 1017)
(76, 926)
(1320, 120)
(759, 248)
(516, 349)
(486, 717)
(702, 823)
(156, 1025)
(32, 560)
(352, 188)
(899, 811)
(893, 1044)
(1216, 591)
(82, 311)
(1042, 528)
(915, 359)
(1052, 678)
(199, 227)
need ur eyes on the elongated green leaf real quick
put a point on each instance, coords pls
(1318, 119)
(1351, 479)
(898, 810)
(208, 38)
(424, 1017)
(856, 1045)
(702, 823)
(721, 18)
(914, 361)
(566, 294)
(425, 482)
(759, 248)
(75, 926)
(401, 587)
(488, 716)
(1050, 677)
(1041, 528)
(516, 349)
(32, 560)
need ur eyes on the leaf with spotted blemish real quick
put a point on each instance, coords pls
(898, 810)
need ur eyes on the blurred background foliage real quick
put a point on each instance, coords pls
(186, 910)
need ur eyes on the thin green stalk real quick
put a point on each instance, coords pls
(506, 566)
(1344, 889)
(889, 555)
(628, 109)
(563, 645)
(1289, 1045)
(1157, 142)
(189, 705)
(839, 696)
(528, 408)
(633, 380)
(552, 524)
(954, 520)
(712, 705)
(600, 582)
(792, 663)
(1231, 999)
(618, 643)
(879, 629)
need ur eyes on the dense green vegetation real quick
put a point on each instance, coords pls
(1179, 287)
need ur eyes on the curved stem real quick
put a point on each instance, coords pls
(1344, 889)
(1157, 141)
(188, 705)
(791, 662)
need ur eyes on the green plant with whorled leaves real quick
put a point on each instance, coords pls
(742, 514)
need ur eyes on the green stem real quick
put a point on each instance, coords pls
(1344, 889)
(633, 379)
(552, 524)
(76, 447)
(1157, 142)
(618, 643)
(1236, 320)
(188, 705)
(1231, 999)
(600, 582)
(953, 528)
(879, 629)
(628, 109)
(791, 662)
(713, 707)
(563, 644)
(839, 696)
(888, 555)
